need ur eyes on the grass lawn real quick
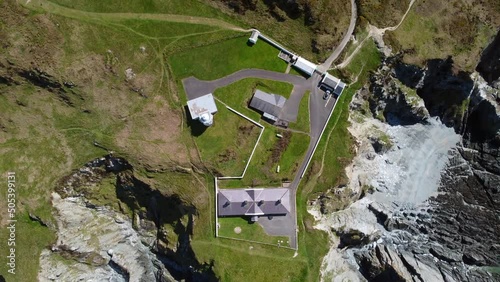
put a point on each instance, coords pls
(293, 155)
(235, 54)
(228, 143)
(241, 261)
(248, 231)
(262, 169)
(368, 58)
(302, 122)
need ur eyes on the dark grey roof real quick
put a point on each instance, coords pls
(267, 103)
(340, 87)
(261, 201)
(335, 84)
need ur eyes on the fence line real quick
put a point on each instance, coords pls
(254, 147)
(216, 209)
(256, 242)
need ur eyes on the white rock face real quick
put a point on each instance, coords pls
(100, 232)
(404, 176)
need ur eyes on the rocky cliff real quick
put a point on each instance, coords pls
(147, 239)
(433, 214)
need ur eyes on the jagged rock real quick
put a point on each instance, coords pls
(450, 233)
(472, 257)
(383, 264)
(379, 212)
(445, 254)
(88, 231)
(74, 222)
(391, 101)
(353, 237)
(379, 145)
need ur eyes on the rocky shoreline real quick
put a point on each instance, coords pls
(428, 151)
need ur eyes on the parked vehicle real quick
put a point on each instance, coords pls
(327, 94)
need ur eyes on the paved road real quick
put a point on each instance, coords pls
(196, 88)
(291, 108)
(328, 63)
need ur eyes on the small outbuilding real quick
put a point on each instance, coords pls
(304, 65)
(270, 105)
(254, 37)
(203, 108)
(330, 82)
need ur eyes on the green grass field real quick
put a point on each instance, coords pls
(235, 55)
(302, 123)
(238, 94)
(228, 143)
(261, 170)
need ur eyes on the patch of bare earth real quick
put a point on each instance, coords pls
(153, 135)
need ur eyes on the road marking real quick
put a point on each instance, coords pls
(328, 100)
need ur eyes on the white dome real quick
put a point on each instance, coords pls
(207, 119)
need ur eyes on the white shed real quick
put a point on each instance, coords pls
(305, 66)
(254, 37)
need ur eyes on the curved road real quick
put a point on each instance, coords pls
(328, 63)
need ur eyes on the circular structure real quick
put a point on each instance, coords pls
(237, 230)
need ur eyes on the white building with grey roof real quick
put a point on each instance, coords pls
(203, 108)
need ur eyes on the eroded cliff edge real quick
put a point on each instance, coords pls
(426, 179)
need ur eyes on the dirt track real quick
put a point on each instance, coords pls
(78, 14)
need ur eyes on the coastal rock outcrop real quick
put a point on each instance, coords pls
(436, 194)
(146, 239)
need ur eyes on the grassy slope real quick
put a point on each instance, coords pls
(438, 30)
(224, 145)
(74, 131)
(181, 7)
(45, 139)
(302, 123)
(312, 32)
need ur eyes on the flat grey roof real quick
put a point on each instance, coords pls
(251, 202)
(267, 103)
(340, 87)
(200, 105)
(335, 84)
